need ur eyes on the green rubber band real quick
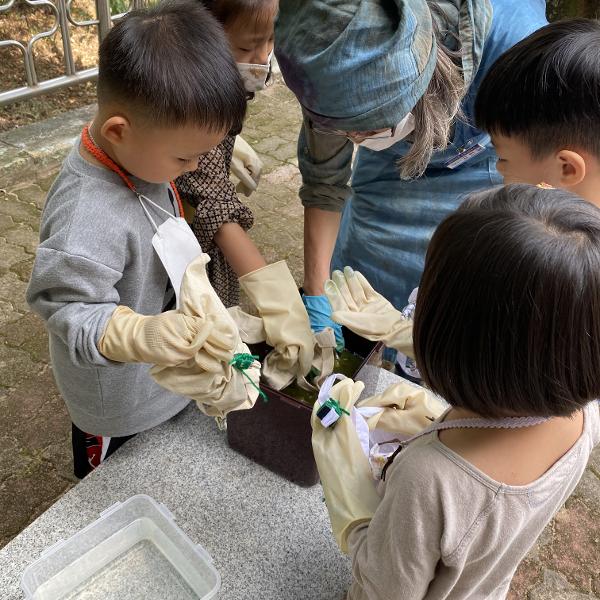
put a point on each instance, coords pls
(243, 361)
(335, 405)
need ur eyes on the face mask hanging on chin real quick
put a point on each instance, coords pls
(256, 77)
(175, 244)
(404, 128)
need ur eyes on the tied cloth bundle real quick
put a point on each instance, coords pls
(222, 376)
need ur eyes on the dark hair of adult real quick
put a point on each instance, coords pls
(508, 315)
(171, 65)
(546, 90)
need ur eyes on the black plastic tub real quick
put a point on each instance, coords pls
(276, 434)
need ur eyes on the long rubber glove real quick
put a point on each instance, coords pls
(273, 291)
(345, 472)
(319, 313)
(361, 309)
(407, 408)
(165, 339)
(213, 377)
(246, 166)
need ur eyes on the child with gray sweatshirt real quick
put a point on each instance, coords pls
(111, 239)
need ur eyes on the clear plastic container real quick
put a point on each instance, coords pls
(134, 550)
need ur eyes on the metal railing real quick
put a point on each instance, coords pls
(64, 21)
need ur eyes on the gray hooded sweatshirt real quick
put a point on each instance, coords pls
(95, 253)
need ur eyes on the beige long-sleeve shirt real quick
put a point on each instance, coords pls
(445, 530)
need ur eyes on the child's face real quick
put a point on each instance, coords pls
(575, 171)
(516, 165)
(158, 155)
(252, 43)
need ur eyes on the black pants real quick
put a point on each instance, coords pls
(89, 450)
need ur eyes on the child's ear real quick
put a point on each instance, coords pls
(572, 168)
(115, 129)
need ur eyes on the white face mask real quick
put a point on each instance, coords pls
(255, 77)
(404, 128)
(175, 244)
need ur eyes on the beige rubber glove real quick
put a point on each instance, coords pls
(208, 376)
(165, 339)
(252, 330)
(246, 166)
(408, 408)
(273, 291)
(361, 309)
(345, 472)
(216, 392)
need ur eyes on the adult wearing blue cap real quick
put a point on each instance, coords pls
(398, 78)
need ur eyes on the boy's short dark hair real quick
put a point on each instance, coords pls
(546, 89)
(508, 315)
(172, 66)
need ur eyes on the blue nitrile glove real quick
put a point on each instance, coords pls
(319, 313)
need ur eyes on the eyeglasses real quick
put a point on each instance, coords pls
(354, 136)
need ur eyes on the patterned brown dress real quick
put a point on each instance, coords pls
(209, 190)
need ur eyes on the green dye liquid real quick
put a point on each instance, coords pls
(346, 363)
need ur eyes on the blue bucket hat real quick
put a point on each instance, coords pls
(359, 65)
(356, 65)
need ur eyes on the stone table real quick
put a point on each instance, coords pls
(269, 538)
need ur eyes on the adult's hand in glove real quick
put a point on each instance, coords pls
(361, 309)
(166, 339)
(319, 313)
(345, 472)
(246, 166)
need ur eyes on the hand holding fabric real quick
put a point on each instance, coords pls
(407, 409)
(165, 339)
(319, 313)
(344, 469)
(212, 376)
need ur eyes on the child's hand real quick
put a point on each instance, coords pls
(246, 166)
(222, 375)
(166, 339)
(345, 471)
(273, 291)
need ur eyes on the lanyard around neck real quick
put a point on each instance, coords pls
(90, 145)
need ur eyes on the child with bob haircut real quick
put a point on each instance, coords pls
(540, 102)
(507, 330)
(112, 236)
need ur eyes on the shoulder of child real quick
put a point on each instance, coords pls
(91, 217)
(426, 468)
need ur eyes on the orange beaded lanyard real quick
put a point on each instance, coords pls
(108, 162)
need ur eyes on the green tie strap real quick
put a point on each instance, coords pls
(243, 361)
(335, 405)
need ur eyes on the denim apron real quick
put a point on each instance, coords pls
(387, 223)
